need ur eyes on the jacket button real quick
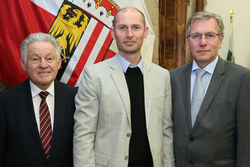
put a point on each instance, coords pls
(126, 157)
(191, 139)
(128, 134)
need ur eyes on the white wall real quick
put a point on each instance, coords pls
(241, 27)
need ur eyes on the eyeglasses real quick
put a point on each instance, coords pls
(208, 36)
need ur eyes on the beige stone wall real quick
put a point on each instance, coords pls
(153, 10)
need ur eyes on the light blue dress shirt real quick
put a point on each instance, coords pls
(206, 78)
(125, 64)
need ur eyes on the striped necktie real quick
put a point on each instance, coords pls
(45, 124)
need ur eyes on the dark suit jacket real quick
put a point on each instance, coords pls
(220, 136)
(20, 144)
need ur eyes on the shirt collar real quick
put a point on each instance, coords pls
(209, 68)
(125, 64)
(36, 90)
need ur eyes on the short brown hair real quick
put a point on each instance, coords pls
(126, 9)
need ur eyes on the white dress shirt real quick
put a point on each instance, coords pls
(37, 100)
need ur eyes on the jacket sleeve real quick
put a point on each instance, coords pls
(85, 118)
(2, 131)
(168, 155)
(243, 123)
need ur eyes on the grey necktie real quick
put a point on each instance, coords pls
(198, 94)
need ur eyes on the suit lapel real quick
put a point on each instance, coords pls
(58, 114)
(186, 75)
(118, 77)
(214, 85)
(148, 81)
(28, 114)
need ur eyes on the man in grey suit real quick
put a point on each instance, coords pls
(123, 107)
(26, 139)
(214, 132)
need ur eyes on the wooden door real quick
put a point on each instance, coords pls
(172, 21)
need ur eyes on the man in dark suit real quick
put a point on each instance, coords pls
(214, 132)
(37, 131)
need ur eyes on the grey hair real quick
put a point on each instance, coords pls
(205, 16)
(39, 36)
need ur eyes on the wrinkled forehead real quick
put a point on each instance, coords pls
(206, 24)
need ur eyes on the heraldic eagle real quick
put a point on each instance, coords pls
(68, 28)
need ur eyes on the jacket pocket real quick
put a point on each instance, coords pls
(101, 159)
(225, 163)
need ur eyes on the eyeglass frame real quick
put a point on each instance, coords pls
(206, 36)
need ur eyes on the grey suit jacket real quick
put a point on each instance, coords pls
(220, 136)
(102, 128)
(20, 143)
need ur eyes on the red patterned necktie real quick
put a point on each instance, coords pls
(45, 124)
